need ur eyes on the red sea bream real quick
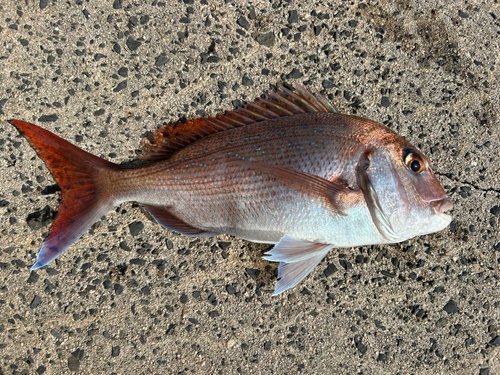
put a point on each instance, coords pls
(287, 170)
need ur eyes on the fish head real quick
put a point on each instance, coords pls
(403, 194)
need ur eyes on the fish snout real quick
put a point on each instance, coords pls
(441, 205)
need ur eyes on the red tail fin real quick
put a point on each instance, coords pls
(85, 196)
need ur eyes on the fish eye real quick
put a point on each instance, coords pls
(414, 162)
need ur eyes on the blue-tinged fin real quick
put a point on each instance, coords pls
(295, 264)
(86, 195)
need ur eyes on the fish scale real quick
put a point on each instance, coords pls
(287, 170)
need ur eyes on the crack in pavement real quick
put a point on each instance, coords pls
(450, 176)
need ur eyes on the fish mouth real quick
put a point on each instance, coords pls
(442, 205)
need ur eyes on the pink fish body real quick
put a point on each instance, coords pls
(287, 171)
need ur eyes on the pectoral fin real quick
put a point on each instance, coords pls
(297, 259)
(302, 182)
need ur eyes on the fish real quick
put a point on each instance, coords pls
(286, 169)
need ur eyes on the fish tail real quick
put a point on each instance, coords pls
(86, 194)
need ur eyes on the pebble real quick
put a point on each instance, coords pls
(73, 364)
(161, 60)
(252, 272)
(242, 21)
(48, 118)
(33, 278)
(42, 218)
(327, 84)
(264, 39)
(35, 302)
(115, 351)
(329, 270)
(136, 227)
(441, 322)
(138, 261)
(294, 74)
(123, 71)
(133, 44)
(122, 85)
(246, 81)
(385, 102)
(359, 345)
(495, 341)
(451, 307)
(118, 289)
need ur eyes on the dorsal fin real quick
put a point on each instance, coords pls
(284, 102)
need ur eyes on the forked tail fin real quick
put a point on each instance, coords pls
(86, 194)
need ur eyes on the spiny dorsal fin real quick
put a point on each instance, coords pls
(284, 102)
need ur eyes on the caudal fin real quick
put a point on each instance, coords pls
(81, 177)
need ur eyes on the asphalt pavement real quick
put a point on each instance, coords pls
(132, 298)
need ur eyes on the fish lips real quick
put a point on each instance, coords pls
(441, 206)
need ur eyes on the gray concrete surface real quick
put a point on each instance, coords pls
(131, 298)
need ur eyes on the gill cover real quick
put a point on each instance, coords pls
(380, 216)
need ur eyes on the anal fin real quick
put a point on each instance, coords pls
(167, 219)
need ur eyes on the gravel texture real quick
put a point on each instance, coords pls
(131, 298)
